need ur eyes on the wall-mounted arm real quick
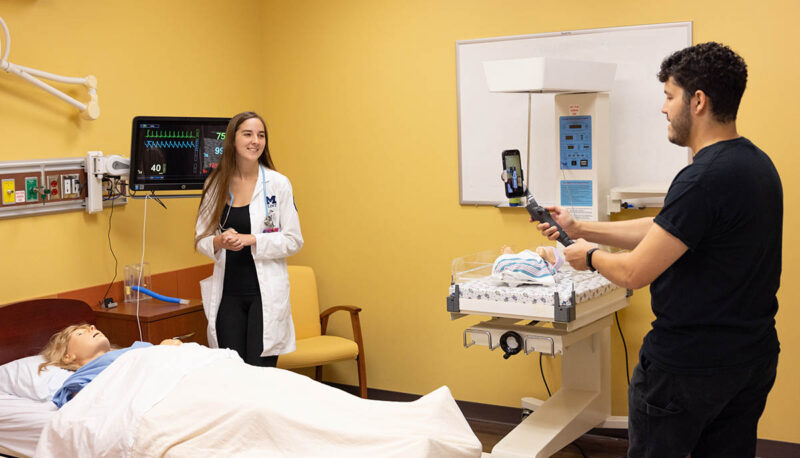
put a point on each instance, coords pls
(90, 110)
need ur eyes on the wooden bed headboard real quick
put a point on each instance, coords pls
(25, 327)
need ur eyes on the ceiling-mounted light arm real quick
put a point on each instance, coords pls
(90, 110)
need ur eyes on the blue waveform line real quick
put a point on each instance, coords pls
(169, 144)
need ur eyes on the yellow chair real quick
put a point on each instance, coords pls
(314, 348)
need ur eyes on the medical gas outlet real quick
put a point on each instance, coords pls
(31, 189)
(9, 191)
(39, 186)
(53, 184)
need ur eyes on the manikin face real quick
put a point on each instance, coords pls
(677, 111)
(85, 344)
(251, 138)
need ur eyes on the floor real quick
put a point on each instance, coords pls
(588, 445)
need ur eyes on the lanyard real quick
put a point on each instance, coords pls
(269, 223)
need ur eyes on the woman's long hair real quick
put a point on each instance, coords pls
(214, 197)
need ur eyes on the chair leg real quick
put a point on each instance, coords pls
(362, 376)
(318, 373)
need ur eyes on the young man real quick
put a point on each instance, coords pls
(712, 258)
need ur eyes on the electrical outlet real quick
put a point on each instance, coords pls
(70, 186)
(9, 190)
(31, 189)
(108, 188)
(55, 187)
(76, 186)
(66, 187)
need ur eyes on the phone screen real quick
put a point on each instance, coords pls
(512, 165)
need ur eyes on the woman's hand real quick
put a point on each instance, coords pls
(170, 342)
(230, 240)
(247, 239)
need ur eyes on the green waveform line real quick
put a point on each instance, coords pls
(179, 134)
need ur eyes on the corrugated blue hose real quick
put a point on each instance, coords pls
(160, 297)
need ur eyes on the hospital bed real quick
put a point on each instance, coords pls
(194, 401)
(571, 318)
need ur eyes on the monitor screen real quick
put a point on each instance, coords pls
(171, 153)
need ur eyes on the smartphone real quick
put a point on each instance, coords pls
(512, 173)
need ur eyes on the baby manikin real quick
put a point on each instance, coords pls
(527, 267)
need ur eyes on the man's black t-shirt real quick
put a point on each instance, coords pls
(715, 306)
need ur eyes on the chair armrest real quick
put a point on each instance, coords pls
(325, 314)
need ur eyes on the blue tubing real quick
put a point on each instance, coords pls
(160, 297)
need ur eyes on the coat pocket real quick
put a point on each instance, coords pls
(279, 299)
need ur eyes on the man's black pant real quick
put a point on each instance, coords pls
(240, 327)
(674, 415)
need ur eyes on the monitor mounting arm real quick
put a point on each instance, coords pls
(90, 110)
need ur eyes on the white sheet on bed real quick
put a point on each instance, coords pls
(21, 423)
(266, 412)
(194, 401)
(101, 420)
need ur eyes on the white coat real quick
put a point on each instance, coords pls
(269, 253)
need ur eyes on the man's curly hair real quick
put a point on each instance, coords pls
(712, 68)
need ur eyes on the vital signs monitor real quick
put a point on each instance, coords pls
(174, 153)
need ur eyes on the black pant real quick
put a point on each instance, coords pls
(673, 415)
(240, 327)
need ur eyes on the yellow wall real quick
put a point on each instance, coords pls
(360, 99)
(179, 58)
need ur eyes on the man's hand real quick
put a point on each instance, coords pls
(562, 216)
(575, 254)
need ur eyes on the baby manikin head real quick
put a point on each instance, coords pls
(548, 253)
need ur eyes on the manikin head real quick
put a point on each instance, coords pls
(74, 346)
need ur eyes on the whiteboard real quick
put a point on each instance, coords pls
(489, 123)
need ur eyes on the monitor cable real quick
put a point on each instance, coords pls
(116, 262)
(141, 268)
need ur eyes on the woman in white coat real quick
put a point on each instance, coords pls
(247, 224)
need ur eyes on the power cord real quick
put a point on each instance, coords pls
(624, 347)
(583, 454)
(541, 369)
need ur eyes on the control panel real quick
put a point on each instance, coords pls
(575, 142)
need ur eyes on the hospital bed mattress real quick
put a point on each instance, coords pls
(21, 424)
(490, 297)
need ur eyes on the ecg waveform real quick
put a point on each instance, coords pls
(169, 144)
(178, 134)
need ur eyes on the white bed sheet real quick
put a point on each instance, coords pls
(21, 423)
(194, 401)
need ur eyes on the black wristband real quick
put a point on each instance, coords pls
(589, 259)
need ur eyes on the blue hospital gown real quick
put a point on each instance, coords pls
(88, 372)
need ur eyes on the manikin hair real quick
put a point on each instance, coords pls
(56, 349)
